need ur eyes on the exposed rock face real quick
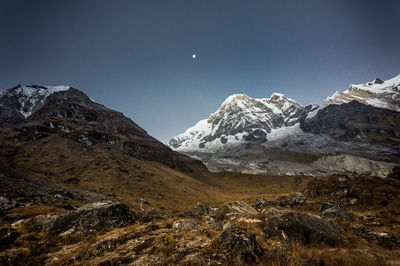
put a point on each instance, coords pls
(239, 245)
(304, 228)
(379, 93)
(96, 216)
(354, 120)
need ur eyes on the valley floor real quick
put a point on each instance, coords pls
(64, 205)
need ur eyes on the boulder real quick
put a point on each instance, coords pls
(185, 225)
(238, 245)
(96, 216)
(335, 212)
(282, 201)
(297, 198)
(201, 209)
(303, 228)
(241, 208)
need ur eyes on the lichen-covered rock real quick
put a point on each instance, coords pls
(185, 225)
(238, 245)
(201, 209)
(96, 216)
(303, 228)
(335, 211)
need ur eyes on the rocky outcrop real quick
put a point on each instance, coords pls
(96, 216)
(239, 246)
(353, 120)
(381, 238)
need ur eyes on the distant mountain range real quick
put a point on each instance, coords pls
(359, 127)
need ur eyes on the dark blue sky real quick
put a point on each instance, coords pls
(136, 56)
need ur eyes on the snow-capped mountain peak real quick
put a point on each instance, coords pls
(239, 118)
(21, 101)
(378, 93)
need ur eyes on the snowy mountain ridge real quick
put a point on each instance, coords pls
(241, 118)
(28, 98)
(378, 93)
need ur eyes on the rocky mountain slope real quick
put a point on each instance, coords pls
(37, 112)
(275, 135)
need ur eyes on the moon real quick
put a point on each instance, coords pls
(193, 56)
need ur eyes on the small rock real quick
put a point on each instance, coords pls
(259, 202)
(336, 212)
(185, 225)
(353, 201)
(326, 205)
(297, 198)
(201, 209)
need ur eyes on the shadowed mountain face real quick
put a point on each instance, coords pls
(354, 120)
(37, 112)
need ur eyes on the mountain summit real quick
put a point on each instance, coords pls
(240, 117)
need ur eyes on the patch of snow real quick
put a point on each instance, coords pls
(314, 112)
(284, 132)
